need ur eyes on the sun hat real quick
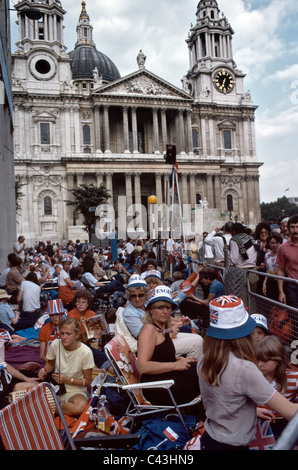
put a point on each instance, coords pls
(261, 321)
(136, 281)
(152, 273)
(229, 319)
(4, 294)
(161, 293)
(56, 307)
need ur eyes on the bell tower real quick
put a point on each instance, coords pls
(40, 63)
(212, 74)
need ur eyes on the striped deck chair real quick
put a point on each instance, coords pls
(28, 423)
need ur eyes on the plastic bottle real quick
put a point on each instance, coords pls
(103, 414)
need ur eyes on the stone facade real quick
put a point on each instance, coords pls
(74, 129)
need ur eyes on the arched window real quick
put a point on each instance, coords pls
(230, 204)
(47, 204)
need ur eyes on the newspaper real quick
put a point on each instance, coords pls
(96, 326)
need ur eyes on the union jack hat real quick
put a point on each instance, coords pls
(229, 319)
(56, 307)
(163, 293)
(152, 273)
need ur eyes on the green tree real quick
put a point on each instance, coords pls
(272, 211)
(86, 199)
(19, 183)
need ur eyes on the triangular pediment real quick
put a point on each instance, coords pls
(45, 116)
(227, 124)
(142, 84)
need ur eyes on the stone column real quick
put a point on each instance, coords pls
(97, 130)
(184, 190)
(181, 131)
(189, 132)
(209, 196)
(125, 129)
(137, 178)
(106, 130)
(134, 130)
(109, 186)
(155, 131)
(164, 129)
(193, 191)
(99, 179)
(128, 191)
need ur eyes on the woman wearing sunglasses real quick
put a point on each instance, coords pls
(157, 358)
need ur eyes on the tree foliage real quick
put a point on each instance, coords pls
(273, 211)
(19, 183)
(88, 197)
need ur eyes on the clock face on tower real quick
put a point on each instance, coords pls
(224, 81)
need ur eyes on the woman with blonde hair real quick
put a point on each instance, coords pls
(157, 356)
(71, 362)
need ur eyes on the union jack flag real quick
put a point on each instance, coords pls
(264, 438)
(214, 317)
(227, 299)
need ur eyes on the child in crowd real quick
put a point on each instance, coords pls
(83, 301)
(261, 330)
(8, 318)
(66, 289)
(270, 288)
(231, 385)
(71, 363)
(272, 361)
(50, 331)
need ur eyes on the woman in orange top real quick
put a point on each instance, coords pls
(83, 301)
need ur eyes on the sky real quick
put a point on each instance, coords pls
(265, 47)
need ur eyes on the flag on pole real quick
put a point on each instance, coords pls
(173, 188)
(287, 190)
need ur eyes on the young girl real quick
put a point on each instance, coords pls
(66, 289)
(270, 288)
(50, 330)
(261, 330)
(72, 363)
(231, 384)
(271, 359)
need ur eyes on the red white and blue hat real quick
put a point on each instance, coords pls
(136, 281)
(56, 307)
(261, 321)
(161, 293)
(152, 273)
(229, 319)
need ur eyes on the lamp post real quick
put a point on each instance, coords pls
(152, 201)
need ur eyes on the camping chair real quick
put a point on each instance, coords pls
(28, 424)
(124, 365)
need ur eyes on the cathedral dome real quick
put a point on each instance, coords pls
(86, 58)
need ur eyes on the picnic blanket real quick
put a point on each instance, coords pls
(20, 353)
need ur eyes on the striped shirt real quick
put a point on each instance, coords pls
(292, 389)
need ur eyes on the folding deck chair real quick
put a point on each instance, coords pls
(28, 424)
(124, 365)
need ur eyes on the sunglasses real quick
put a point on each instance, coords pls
(137, 296)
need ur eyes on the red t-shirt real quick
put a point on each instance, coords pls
(287, 259)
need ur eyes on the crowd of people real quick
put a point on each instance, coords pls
(175, 315)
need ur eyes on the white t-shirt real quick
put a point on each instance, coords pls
(71, 363)
(61, 278)
(31, 296)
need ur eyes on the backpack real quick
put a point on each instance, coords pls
(280, 324)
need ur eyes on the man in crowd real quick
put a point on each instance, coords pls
(287, 260)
